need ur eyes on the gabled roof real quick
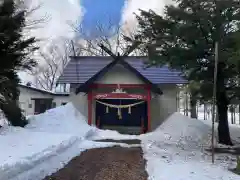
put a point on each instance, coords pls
(84, 87)
(82, 68)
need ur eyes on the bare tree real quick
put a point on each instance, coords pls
(52, 62)
(115, 41)
(33, 20)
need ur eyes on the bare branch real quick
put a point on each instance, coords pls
(30, 10)
(114, 41)
(53, 61)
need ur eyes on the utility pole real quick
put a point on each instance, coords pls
(214, 98)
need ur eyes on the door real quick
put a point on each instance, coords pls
(41, 105)
(130, 118)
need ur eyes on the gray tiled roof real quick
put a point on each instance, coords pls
(88, 66)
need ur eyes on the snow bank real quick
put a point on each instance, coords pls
(58, 160)
(177, 146)
(163, 164)
(23, 149)
(182, 131)
(63, 119)
(43, 141)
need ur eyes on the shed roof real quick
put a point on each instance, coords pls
(80, 69)
(42, 91)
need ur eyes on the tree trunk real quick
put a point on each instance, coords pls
(234, 114)
(204, 111)
(186, 96)
(197, 109)
(193, 105)
(239, 114)
(231, 112)
(217, 117)
(223, 128)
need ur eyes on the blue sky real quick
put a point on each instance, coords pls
(101, 12)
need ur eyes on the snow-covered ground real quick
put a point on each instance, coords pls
(173, 151)
(47, 143)
(22, 150)
(176, 151)
(50, 140)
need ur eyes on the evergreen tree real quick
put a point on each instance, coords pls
(15, 56)
(184, 38)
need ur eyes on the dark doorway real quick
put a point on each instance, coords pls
(110, 119)
(41, 105)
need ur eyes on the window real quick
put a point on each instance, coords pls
(54, 104)
(29, 105)
(64, 103)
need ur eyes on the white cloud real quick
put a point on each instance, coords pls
(133, 6)
(61, 13)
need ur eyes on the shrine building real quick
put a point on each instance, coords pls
(122, 94)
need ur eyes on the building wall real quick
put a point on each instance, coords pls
(80, 102)
(61, 99)
(163, 106)
(27, 104)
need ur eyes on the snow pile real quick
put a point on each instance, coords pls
(182, 131)
(63, 119)
(48, 141)
(177, 146)
(22, 149)
(57, 160)
(164, 163)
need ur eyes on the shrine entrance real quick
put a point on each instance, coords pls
(125, 115)
(118, 109)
